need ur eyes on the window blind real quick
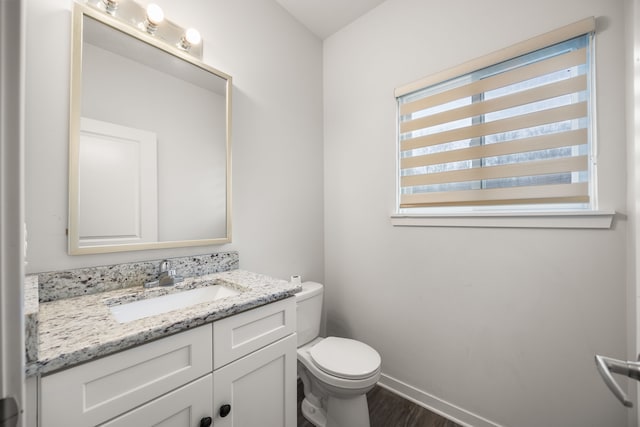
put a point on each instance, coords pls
(512, 128)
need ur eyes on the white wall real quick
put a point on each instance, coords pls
(503, 323)
(276, 65)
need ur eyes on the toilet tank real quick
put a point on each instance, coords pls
(308, 312)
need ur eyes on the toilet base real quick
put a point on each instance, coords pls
(351, 412)
(348, 412)
(313, 414)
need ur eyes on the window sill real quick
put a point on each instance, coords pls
(589, 219)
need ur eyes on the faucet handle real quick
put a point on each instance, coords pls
(165, 266)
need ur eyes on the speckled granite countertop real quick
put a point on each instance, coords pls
(76, 330)
(31, 317)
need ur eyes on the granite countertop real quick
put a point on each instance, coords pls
(75, 330)
(31, 317)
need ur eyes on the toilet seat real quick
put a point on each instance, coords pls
(345, 358)
(304, 357)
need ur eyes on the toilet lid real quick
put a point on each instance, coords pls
(345, 358)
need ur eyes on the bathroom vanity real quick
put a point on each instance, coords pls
(226, 362)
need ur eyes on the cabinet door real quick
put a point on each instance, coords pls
(184, 407)
(260, 388)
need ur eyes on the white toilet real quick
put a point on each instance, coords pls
(336, 372)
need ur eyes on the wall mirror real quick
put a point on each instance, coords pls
(149, 152)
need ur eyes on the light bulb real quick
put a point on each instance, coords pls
(192, 36)
(110, 6)
(189, 38)
(155, 15)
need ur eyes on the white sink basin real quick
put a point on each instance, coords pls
(128, 312)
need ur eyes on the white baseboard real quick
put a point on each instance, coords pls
(434, 404)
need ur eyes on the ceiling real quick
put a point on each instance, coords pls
(325, 17)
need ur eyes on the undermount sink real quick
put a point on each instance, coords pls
(135, 310)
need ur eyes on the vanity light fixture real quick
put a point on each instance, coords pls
(110, 6)
(155, 16)
(190, 38)
(150, 19)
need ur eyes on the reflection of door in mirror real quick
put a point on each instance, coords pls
(118, 191)
(129, 83)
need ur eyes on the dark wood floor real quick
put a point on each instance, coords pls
(387, 409)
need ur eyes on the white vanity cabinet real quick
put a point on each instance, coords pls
(240, 371)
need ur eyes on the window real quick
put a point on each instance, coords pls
(507, 132)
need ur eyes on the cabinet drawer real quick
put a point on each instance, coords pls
(238, 335)
(95, 392)
(184, 407)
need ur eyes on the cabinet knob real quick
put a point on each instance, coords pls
(206, 422)
(225, 410)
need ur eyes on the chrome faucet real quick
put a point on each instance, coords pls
(166, 277)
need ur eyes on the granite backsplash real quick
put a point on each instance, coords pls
(90, 280)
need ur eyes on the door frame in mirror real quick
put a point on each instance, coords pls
(74, 246)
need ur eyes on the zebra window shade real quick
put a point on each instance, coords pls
(511, 128)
